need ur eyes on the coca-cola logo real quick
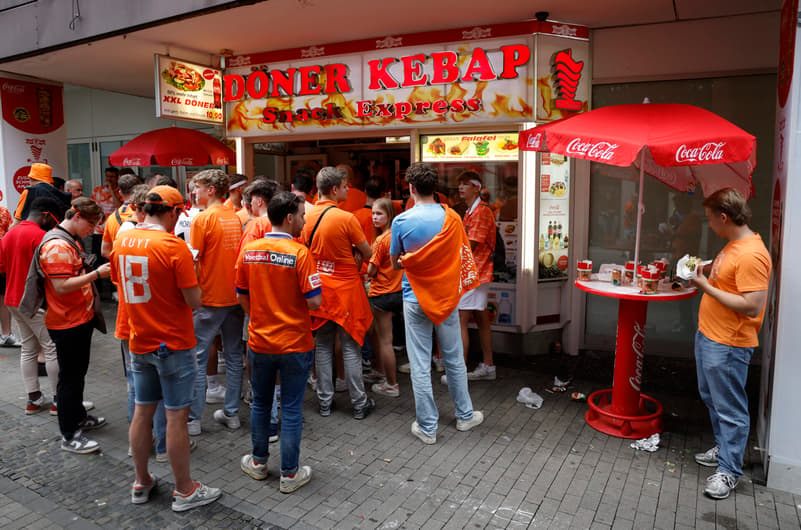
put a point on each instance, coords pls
(534, 141)
(13, 89)
(209, 74)
(181, 161)
(638, 346)
(596, 151)
(132, 162)
(709, 152)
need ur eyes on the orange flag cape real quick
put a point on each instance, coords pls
(442, 270)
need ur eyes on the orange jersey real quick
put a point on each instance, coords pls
(215, 234)
(228, 203)
(365, 217)
(64, 311)
(480, 225)
(244, 215)
(278, 274)
(344, 299)
(387, 280)
(255, 229)
(742, 266)
(104, 198)
(152, 266)
(113, 226)
(356, 199)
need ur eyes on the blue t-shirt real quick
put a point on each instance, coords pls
(411, 230)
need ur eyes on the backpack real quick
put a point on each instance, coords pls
(499, 252)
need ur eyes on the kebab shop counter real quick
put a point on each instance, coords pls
(623, 410)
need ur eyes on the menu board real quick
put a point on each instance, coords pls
(188, 91)
(554, 218)
(469, 147)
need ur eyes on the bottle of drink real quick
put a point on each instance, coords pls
(542, 242)
(162, 352)
(565, 240)
(217, 89)
(550, 230)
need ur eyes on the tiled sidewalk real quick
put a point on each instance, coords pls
(522, 468)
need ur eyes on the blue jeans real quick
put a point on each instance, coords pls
(228, 321)
(160, 418)
(169, 379)
(294, 369)
(722, 372)
(418, 347)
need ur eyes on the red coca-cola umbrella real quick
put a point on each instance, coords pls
(173, 146)
(681, 145)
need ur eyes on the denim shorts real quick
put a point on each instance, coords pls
(171, 379)
(389, 303)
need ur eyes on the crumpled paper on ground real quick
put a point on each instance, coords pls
(649, 444)
(529, 398)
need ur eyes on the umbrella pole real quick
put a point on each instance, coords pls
(640, 208)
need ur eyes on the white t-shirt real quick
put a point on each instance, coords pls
(183, 226)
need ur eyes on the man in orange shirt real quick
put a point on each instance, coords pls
(238, 183)
(277, 284)
(355, 198)
(154, 270)
(479, 222)
(729, 318)
(215, 235)
(121, 214)
(261, 192)
(70, 317)
(338, 245)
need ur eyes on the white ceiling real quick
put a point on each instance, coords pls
(125, 63)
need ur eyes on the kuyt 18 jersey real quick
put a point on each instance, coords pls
(152, 266)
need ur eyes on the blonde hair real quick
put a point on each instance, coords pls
(389, 209)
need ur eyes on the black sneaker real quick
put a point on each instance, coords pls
(79, 444)
(91, 423)
(360, 414)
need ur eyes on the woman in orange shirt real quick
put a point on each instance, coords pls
(384, 295)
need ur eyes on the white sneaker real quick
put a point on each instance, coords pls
(482, 373)
(232, 422)
(252, 469)
(426, 439)
(289, 484)
(340, 385)
(466, 425)
(405, 368)
(719, 485)
(385, 389)
(193, 426)
(708, 458)
(439, 365)
(215, 394)
(201, 495)
(10, 341)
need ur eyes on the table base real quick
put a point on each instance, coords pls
(642, 425)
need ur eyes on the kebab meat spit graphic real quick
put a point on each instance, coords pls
(565, 75)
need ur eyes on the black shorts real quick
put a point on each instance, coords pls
(3, 283)
(390, 302)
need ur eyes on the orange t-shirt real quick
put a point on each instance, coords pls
(365, 217)
(334, 239)
(105, 199)
(21, 204)
(152, 266)
(278, 274)
(742, 266)
(255, 229)
(387, 279)
(244, 215)
(215, 234)
(64, 311)
(356, 199)
(480, 226)
(113, 226)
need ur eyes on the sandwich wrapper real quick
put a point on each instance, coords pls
(529, 398)
(684, 272)
(649, 444)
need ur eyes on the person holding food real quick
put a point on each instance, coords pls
(729, 318)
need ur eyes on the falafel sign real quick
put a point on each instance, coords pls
(469, 147)
(465, 76)
(188, 91)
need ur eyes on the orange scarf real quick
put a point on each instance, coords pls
(436, 276)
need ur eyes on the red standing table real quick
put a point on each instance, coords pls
(621, 410)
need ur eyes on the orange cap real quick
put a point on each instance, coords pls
(41, 172)
(169, 196)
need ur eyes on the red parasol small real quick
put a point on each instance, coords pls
(173, 146)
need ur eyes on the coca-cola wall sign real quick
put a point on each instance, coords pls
(507, 73)
(32, 130)
(188, 91)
